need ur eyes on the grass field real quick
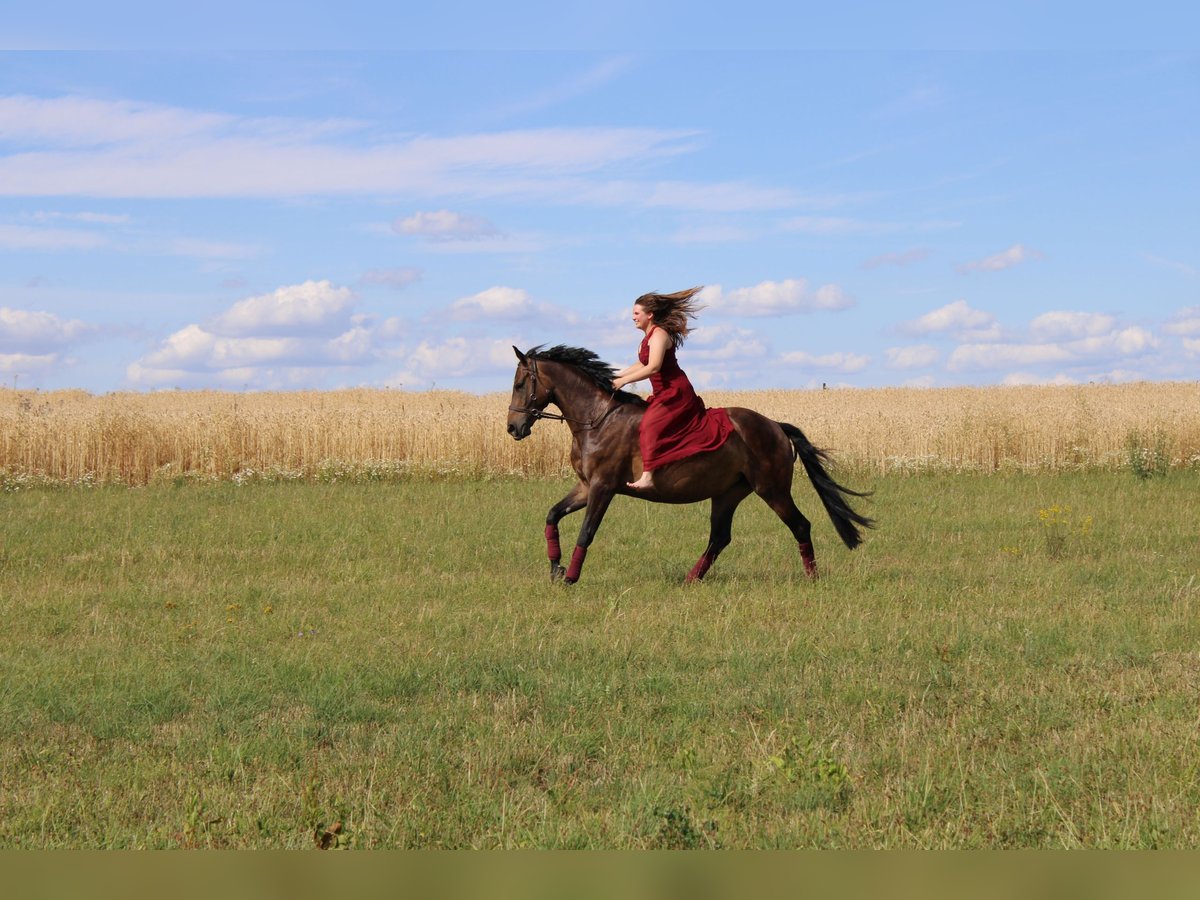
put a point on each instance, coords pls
(1009, 661)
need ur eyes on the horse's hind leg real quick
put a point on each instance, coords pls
(720, 528)
(780, 500)
(575, 500)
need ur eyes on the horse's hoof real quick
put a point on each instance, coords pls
(557, 573)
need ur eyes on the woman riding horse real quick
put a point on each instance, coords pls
(676, 424)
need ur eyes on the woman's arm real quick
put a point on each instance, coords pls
(659, 341)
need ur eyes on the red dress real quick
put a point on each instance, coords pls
(677, 424)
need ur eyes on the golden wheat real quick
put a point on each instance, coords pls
(73, 436)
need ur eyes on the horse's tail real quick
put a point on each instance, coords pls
(832, 494)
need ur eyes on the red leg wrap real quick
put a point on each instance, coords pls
(810, 561)
(552, 548)
(576, 565)
(700, 569)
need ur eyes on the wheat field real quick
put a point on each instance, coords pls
(137, 438)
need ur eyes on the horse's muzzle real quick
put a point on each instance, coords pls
(519, 432)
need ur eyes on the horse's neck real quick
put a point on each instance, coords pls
(577, 395)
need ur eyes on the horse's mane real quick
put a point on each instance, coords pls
(588, 364)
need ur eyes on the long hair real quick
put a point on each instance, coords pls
(673, 312)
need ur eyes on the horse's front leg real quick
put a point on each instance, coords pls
(577, 499)
(599, 496)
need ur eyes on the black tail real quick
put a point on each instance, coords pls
(832, 494)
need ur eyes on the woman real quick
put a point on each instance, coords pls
(676, 424)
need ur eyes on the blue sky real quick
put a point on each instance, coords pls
(930, 213)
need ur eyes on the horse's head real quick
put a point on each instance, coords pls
(529, 397)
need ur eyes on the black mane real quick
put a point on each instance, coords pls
(588, 364)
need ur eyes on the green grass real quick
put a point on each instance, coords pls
(247, 666)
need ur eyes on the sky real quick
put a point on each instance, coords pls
(320, 201)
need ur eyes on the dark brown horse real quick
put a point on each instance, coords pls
(758, 457)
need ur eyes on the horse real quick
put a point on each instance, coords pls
(758, 457)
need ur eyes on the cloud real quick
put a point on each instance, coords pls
(455, 357)
(957, 318)
(398, 278)
(30, 331)
(1014, 255)
(1184, 322)
(194, 349)
(837, 362)
(775, 298)
(914, 357)
(314, 306)
(905, 258)
(1192, 346)
(1004, 356)
(28, 363)
(1069, 325)
(444, 225)
(494, 303)
(725, 343)
(81, 147)
(302, 328)
(1119, 343)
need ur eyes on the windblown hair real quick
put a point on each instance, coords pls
(673, 312)
(588, 364)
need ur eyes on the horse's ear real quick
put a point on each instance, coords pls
(520, 355)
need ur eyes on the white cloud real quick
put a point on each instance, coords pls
(1184, 322)
(775, 298)
(82, 147)
(33, 330)
(1006, 259)
(314, 306)
(27, 363)
(725, 343)
(192, 349)
(268, 339)
(1118, 344)
(1003, 356)
(456, 357)
(493, 303)
(837, 362)
(1192, 346)
(444, 225)
(957, 318)
(1067, 325)
(913, 357)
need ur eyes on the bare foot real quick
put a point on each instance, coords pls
(642, 483)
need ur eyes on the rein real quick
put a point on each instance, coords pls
(542, 414)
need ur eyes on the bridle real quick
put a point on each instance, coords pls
(531, 367)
